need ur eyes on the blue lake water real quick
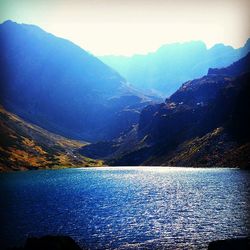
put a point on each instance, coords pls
(126, 207)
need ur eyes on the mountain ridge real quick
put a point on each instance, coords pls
(164, 70)
(203, 124)
(57, 85)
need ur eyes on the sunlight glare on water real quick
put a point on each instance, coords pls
(128, 207)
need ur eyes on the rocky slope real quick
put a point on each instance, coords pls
(55, 84)
(205, 123)
(164, 70)
(26, 146)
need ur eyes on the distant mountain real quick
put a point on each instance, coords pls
(164, 70)
(57, 85)
(205, 123)
(26, 146)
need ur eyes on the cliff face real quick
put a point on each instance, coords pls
(205, 123)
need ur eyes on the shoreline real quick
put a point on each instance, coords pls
(114, 167)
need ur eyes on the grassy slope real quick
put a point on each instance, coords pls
(26, 146)
(213, 149)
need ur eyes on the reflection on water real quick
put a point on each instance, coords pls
(127, 207)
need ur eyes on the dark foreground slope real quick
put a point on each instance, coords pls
(205, 123)
(49, 242)
(26, 146)
(57, 85)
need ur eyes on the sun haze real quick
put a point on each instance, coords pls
(132, 27)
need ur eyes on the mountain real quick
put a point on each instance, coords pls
(205, 123)
(26, 146)
(164, 70)
(55, 84)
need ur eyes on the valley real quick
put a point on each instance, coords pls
(204, 123)
(124, 125)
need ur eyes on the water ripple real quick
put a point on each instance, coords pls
(127, 208)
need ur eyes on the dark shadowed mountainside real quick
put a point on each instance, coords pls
(205, 123)
(57, 85)
(164, 70)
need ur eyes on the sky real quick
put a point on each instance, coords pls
(127, 27)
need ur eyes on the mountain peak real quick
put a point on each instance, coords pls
(7, 22)
(219, 46)
(177, 46)
(54, 83)
(247, 44)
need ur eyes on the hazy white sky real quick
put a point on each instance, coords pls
(127, 27)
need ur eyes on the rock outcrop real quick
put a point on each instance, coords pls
(49, 243)
(230, 244)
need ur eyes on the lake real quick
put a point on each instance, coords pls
(126, 207)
